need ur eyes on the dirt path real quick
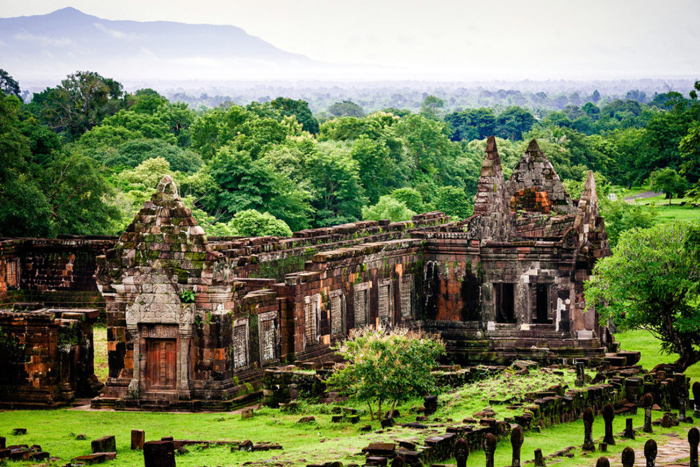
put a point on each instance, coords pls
(646, 194)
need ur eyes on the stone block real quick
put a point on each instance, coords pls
(104, 444)
(138, 437)
(159, 454)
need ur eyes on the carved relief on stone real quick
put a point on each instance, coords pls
(268, 336)
(223, 272)
(406, 291)
(337, 312)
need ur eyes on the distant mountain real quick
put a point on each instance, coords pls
(67, 40)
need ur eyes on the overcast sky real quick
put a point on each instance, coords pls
(516, 39)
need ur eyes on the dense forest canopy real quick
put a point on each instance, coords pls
(81, 157)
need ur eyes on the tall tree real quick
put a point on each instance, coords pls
(79, 103)
(652, 282)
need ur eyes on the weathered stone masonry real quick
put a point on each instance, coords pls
(506, 283)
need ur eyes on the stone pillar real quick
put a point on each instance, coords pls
(580, 374)
(137, 439)
(132, 327)
(397, 462)
(693, 440)
(609, 416)
(696, 398)
(602, 462)
(489, 448)
(628, 457)
(64, 385)
(650, 451)
(629, 428)
(647, 402)
(461, 452)
(539, 458)
(516, 441)
(682, 401)
(588, 418)
(183, 361)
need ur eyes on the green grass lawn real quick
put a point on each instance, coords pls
(322, 441)
(651, 351)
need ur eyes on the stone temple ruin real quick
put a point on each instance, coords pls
(194, 320)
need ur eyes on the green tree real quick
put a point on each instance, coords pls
(387, 366)
(431, 106)
(621, 216)
(9, 86)
(454, 202)
(652, 282)
(411, 198)
(513, 122)
(133, 153)
(24, 209)
(79, 103)
(472, 124)
(300, 110)
(375, 166)
(387, 207)
(668, 181)
(346, 109)
(338, 192)
(247, 184)
(251, 223)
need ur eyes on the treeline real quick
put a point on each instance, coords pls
(82, 157)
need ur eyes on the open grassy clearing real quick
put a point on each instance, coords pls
(323, 441)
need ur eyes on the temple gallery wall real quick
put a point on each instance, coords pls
(193, 320)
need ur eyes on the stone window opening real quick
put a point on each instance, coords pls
(541, 304)
(337, 312)
(241, 356)
(505, 302)
(385, 302)
(312, 317)
(406, 292)
(268, 337)
(361, 304)
(12, 273)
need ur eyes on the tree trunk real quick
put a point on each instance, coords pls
(379, 411)
(371, 414)
(687, 359)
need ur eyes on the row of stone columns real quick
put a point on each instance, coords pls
(461, 449)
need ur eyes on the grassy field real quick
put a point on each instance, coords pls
(322, 440)
(651, 351)
(665, 211)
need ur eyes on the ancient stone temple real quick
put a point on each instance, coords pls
(194, 320)
(46, 357)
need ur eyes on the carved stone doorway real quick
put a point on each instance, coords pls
(161, 365)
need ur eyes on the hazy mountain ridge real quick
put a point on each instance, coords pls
(68, 40)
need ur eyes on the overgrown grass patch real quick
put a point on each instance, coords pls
(650, 347)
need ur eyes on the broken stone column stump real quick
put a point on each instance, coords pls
(693, 440)
(628, 457)
(138, 437)
(516, 440)
(159, 454)
(608, 417)
(104, 444)
(461, 452)
(588, 418)
(650, 451)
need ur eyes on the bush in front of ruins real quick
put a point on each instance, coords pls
(387, 366)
